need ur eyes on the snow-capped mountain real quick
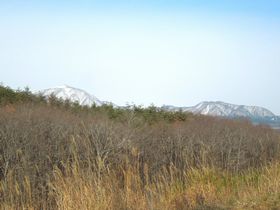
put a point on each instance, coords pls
(222, 109)
(257, 115)
(73, 94)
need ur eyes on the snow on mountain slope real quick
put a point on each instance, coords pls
(225, 110)
(73, 94)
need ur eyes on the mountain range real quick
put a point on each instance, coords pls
(256, 114)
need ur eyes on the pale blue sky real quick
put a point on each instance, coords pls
(161, 52)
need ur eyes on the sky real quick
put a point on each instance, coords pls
(162, 52)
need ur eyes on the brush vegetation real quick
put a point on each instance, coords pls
(56, 154)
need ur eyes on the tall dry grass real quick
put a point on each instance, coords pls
(203, 188)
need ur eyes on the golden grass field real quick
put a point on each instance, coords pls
(203, 188)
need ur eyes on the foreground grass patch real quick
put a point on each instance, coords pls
(198, 189)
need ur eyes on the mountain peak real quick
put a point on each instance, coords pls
(73, 94)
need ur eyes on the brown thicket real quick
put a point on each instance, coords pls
(44, 148)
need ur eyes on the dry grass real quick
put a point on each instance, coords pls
(199, 189)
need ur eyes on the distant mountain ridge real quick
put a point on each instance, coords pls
(223, 109)
(256, 114)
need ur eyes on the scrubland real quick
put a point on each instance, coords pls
(58, 155)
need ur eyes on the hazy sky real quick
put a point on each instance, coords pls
(161, 52)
